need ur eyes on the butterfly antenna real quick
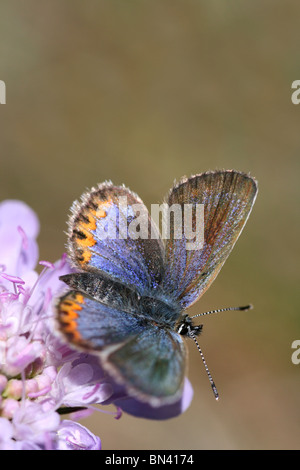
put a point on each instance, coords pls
(212, 383)
(246, 307)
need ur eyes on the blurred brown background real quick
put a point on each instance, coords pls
(142, 93)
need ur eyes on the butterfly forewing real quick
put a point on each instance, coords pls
(228, 197)
(100, 240)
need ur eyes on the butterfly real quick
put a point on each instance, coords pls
(127, 302)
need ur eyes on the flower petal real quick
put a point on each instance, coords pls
(6, 435)
(74, 436)
(19, 227)
(32, 420)
(140, 409)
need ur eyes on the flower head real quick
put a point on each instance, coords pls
(40, 376)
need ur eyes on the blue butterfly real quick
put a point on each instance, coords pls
(127, 302)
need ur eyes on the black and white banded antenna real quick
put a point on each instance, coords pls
(212, 383)
(245, 308)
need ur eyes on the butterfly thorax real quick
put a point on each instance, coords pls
(161, 309)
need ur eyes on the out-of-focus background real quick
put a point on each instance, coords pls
(142, 93)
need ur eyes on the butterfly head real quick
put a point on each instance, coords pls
(186, 327)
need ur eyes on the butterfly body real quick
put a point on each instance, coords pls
(127, 303)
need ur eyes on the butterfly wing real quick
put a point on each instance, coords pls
(147, 359)
(228, 197)
(101, 237)
(151, 364)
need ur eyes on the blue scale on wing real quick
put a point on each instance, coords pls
(98, 240)
(122, 259)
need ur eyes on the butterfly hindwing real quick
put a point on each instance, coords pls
(100, 238)
(147, 359)
(228, 197)
(152, 364)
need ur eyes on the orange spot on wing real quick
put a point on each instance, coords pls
(101, 213)
(85, 256)
(80, 298)
(71, 329)
(68, 310)
(91, 224)
(70, 326)
(87, 241)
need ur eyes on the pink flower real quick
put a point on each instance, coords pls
(38, 374)
(40, 377)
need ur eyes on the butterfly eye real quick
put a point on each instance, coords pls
(183, 329)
